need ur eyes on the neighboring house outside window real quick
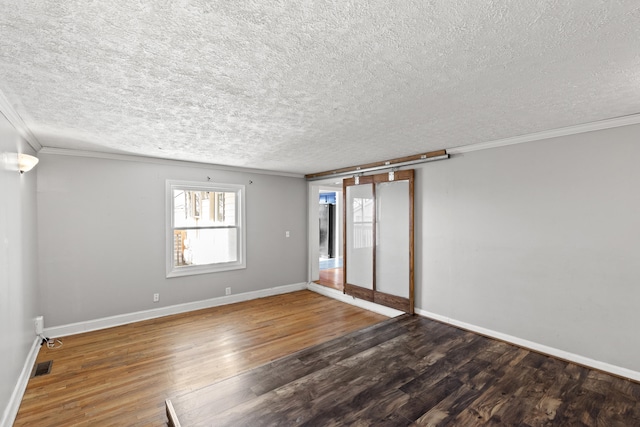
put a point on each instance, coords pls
(205, 227)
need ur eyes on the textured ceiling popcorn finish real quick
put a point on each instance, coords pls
(305, 86)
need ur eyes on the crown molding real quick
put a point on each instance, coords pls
(632, 119)
(8, 111)
(16, 121)
(160, 161)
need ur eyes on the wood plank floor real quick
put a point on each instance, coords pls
(331, 278)
(414, 371)
(121, 376)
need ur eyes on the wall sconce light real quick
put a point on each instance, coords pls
(17, 162)
(26, 162)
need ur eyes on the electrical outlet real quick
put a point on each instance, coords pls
(287, 234)
(39, 322)
(156, 297)
(227, 291)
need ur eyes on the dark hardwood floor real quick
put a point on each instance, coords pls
(414, 371)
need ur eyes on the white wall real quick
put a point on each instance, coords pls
(18, 287)
(540, 241)
(102, 236)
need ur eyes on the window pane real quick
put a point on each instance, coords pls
(392, 258)
(205, 228)
(360, 235)
(203, 208)
(208, 246)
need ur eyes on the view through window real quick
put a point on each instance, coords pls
(206, 230)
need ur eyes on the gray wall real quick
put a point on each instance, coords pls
(18, 287)
(102, 236)
(540, 241)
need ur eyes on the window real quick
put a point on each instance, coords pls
(362, 222)
(205, 223)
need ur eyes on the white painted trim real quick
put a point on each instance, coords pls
(161, 161)
(123, 319)
(632, 119)
(11, 410)
(313, 237)
(16, 121)
(367, 305)
(541, 348)
(241, 225)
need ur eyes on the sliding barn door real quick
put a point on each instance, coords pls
(378, 238)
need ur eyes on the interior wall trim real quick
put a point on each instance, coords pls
(124, 319)
(367, 305)
(16, 121)
(537, 347)
(11, 410)
(632, 119)
(160, 161)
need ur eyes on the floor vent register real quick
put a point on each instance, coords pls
(42, 368)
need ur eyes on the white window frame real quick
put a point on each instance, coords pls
(187, 270)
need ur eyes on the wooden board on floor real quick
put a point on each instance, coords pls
(121, 376)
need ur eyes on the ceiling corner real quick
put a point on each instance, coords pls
(16, 121)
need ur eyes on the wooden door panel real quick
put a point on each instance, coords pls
(379, 243)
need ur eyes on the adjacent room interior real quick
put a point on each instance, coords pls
(223, 210)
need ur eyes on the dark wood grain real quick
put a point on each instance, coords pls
(393, 301)
(359, 292)
(414, 371)
(390, 163)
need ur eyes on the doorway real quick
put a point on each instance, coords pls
(325, 234)
(327, 220)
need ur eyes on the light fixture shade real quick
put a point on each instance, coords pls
(26, 162)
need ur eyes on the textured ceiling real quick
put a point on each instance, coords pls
(306, 86)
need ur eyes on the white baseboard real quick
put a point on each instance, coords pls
(123, 319)
(336, 294)
(11, 410)
(541, 348)
(107, 322)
